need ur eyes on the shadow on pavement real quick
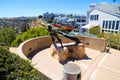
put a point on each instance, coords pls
(31, 55)
(73, 59)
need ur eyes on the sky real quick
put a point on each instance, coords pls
(19, 8)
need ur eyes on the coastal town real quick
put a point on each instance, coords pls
(95, 17)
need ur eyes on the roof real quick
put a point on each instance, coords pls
(87, 26)
(114, 8)
(111, 8)
(70, 20)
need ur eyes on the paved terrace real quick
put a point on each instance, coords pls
(95, 66)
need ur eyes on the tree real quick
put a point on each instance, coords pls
(40, 16)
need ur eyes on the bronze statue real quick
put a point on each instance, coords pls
(77, 41)
(53, 34)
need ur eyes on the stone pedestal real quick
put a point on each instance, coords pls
(70, 51)
(71, 72)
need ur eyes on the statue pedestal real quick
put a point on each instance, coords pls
(70, 51)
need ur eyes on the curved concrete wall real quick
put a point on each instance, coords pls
(34, 44)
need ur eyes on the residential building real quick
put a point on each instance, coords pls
(48, 16)
(105, 15)
(74, 21)
(66, 20)
(61, 19)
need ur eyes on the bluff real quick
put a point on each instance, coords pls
(37, 23)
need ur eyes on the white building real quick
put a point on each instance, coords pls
(74, 21)
(107, 16)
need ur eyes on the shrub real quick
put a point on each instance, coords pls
(7, 35)
(31, 33)
(95, 30)
(12, 67)
(112, 38)
(115, 46)
(101, 35)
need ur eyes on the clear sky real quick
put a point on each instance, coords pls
(17, 8)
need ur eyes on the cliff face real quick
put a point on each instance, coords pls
(21, 23)
(16, 22)
(36, 23)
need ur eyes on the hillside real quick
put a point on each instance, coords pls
(36, 22)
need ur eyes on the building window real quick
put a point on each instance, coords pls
(94, 17)
(97, 17)
(83, 20)
(113, 25)
(103, 24)
(91, 17)
(106, 24)
(109, 24)
(78, 20)
(117, 25)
